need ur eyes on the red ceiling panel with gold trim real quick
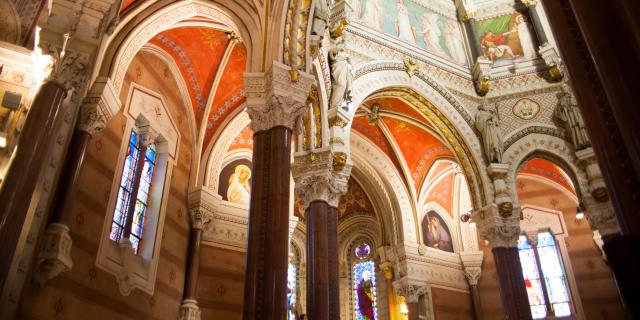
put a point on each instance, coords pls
(546, 169)
(244, 140)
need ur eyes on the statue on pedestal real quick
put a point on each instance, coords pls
(488, 124)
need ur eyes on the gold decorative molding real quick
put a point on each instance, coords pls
(339, 29)
(338, 122)
(410, 66)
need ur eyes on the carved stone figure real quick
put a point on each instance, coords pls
(487, 122)
(568, 114)
(341, 75)
(320, 17)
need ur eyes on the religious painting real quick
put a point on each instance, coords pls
(413, 22)
(364, 284)
(506, 38)
(235, 182)
(435, 233)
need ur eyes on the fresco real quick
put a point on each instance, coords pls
(506, 37)
(435, 233)
(412, 22)
(235, 182)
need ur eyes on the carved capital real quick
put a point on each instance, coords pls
(318, 177)
(98, 107)
(70, 68)
(147, 135)
(472, 274)
(410, 291)
(276, 97)
(55, 253)
(499, 231)
(202, 208)
(189, 310)
(472, 265)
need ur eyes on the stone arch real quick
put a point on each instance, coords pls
(138, 29)
(551, 148)
(393, 193)
(389, 78)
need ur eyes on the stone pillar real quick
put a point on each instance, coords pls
(275, 99)
(322, 184)
(605, 86)
(20, 182)
(532, 9)
(472, 264)
(202, 207)
(411, 293)
(55, 255)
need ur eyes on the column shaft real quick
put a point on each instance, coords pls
(265, 293)
(318, 273)
(414, 310)
(537, 25)
(475, 302)
(19, 183)
(333, 264)
(193, 265)
(391, 299)
(67, 184)
(604, 75)
(512, 288)
(476, 48)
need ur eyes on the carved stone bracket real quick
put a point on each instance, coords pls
(189, 310)
(597, 187)
(276, 97)
(498, 173)
(98, 107)
(410, 291)
(482, 76)
(202, 208)
(472, 264)
(317, 179)
(55, 254)
(551, 57)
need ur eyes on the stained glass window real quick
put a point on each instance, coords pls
(126, 190)
(544, 277)
(364, 284)
(291, 292)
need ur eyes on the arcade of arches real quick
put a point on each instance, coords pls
(319, 159)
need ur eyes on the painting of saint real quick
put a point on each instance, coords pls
(235, 182)
(432, 33)
(453, 40)
(435, 232)
(506, 37)
(366, 298)
(403, 24)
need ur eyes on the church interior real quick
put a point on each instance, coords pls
(319, 159)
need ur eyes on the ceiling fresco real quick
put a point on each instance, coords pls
(548, 170)
(244, 140)
(198, 52)
(442, 192)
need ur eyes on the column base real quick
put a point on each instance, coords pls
(189, 310)
(623, 254)
(55, 253)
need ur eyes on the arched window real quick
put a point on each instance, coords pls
(133, 194)
(544, 276)
(364, 284)
(292, 276)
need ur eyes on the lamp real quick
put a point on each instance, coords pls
(580, 212)
(3, 139)
(404, 310)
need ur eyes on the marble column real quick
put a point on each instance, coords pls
(472, 266)
(19, 184)
(604, 75)
(200, 213)
(321, 186)
(55, 255)
(387, 268)
(275, 99)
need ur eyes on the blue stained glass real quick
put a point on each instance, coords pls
(532, 279)
(554, 277)
(124, 192)
(291, 292)
(364, 290)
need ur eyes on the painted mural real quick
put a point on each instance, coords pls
(413, 22)
(506, 37)
(235, 182)
(435, 233)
